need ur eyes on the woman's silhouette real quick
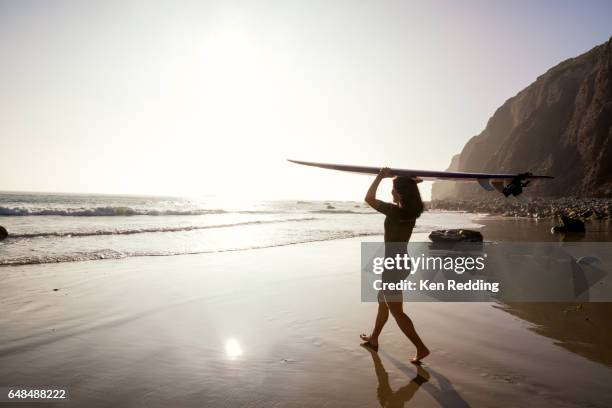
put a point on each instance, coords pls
(399, 223)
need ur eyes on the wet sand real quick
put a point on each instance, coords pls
(279, 327)
(583, 328)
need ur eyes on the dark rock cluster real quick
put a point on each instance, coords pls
(584, 208)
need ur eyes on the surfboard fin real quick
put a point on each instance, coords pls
(486, 184)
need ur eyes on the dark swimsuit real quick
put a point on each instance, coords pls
(399, 224)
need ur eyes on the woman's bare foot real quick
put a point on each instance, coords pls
(421, 354)
(369, 341)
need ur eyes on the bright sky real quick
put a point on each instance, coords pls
(196, 97)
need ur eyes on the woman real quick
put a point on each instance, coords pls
(399, 223)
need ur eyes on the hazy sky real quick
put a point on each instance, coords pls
(197, 97)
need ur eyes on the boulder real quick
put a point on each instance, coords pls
(455, 235)
(569, 224)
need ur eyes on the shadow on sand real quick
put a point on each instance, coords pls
(444, 394)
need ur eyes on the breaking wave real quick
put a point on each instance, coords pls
(112, 254)
(100, 212)
(329, 211)
(150, 230)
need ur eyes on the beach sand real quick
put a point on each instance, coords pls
(279, 327)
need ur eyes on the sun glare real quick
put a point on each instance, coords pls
(232, 348)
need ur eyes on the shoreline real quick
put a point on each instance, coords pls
(486, 221)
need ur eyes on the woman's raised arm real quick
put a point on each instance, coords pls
(370, 197)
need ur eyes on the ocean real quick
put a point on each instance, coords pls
(52, 228)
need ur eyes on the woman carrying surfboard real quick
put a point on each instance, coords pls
(399, 222)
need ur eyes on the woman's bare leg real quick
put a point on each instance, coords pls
(407, 327)
(381, 318)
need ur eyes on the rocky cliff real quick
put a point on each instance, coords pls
(560, 125)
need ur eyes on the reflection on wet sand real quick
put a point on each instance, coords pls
(444, 393)
(582, 328)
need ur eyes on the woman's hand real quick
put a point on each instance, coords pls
(385, 172)
(370, 198)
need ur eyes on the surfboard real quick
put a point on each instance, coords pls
(488, 181)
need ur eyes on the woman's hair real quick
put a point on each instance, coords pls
(410, 196)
